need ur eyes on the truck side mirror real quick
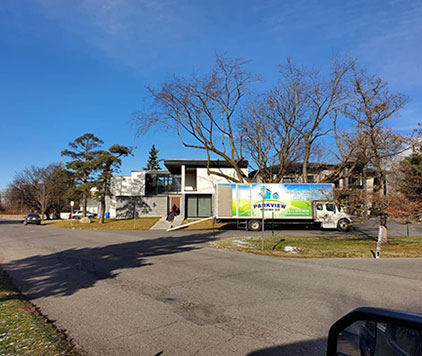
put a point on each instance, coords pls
(373, 331)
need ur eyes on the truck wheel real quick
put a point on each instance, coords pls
(254, 225)
(343, 225)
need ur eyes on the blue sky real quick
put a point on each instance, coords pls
(71, 67)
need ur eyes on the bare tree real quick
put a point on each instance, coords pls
(204, 112)
(254, 140)
(324, 99)
(371, 108)
(34, 186)
(268, 133)
(312, 100)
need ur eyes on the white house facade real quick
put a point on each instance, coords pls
(185, 184)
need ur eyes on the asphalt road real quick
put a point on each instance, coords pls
(158, 293)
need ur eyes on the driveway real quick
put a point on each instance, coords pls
(158, 293)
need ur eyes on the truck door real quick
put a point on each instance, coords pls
(325, 213)
(330, 215)
(319, 212)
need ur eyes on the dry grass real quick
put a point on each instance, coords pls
(204, 225)
(324, 246)
(23, 331)
(12, 216)
(109, 224)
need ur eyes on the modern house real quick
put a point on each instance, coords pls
(185, 184)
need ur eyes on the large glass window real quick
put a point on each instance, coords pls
(198, 206)
(162, 183)
(176, 183)
(204, 206)
(192, 204)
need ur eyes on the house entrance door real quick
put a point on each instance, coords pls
(173, 201)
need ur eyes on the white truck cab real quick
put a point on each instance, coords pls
(330, 215)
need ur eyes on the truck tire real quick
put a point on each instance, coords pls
(254, 225)
(343, 225)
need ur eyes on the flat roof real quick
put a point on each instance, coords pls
(174, 165)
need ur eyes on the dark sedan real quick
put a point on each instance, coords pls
(32, 218)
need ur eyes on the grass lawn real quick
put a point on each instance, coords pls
(23, 331)
(109, 224)
(204, 225)
(324, 246)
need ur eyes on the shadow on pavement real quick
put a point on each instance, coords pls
(66, 272)
(308, 348)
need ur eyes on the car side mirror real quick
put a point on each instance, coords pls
(373, 331)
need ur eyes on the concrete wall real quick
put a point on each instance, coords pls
(145, 206)
(129, 185)
(93, 206)
(111, 206)
(206, 183)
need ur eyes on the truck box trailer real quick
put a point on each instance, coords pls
(285, 203)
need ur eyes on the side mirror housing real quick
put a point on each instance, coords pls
(373, 331)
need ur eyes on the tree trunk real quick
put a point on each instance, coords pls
(305, 164)
(365, 192)
(102, 203)
(102, 211)
(84, 203)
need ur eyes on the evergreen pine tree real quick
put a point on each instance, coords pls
(153, 163)
(83, 151)
(410, 183)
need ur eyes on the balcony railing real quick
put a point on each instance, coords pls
(158, 184)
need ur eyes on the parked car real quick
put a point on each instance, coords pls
(32, 218)
(78, 215)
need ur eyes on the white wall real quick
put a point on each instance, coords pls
(206, 183)
(129, 185)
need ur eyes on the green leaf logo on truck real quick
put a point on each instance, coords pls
(271, 202)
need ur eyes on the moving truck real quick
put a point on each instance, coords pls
(285, 203)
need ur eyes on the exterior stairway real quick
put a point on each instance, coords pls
(163, 224)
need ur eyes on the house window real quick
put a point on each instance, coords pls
(162, 183)
(198, 206)
(288, 180)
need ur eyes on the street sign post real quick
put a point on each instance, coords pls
(72, 204)
(134, 212)
(262, 194)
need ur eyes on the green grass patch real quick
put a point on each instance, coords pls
(324, 246)
(144, 223)
(23, 331)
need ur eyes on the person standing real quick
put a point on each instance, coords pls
(170, 217)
